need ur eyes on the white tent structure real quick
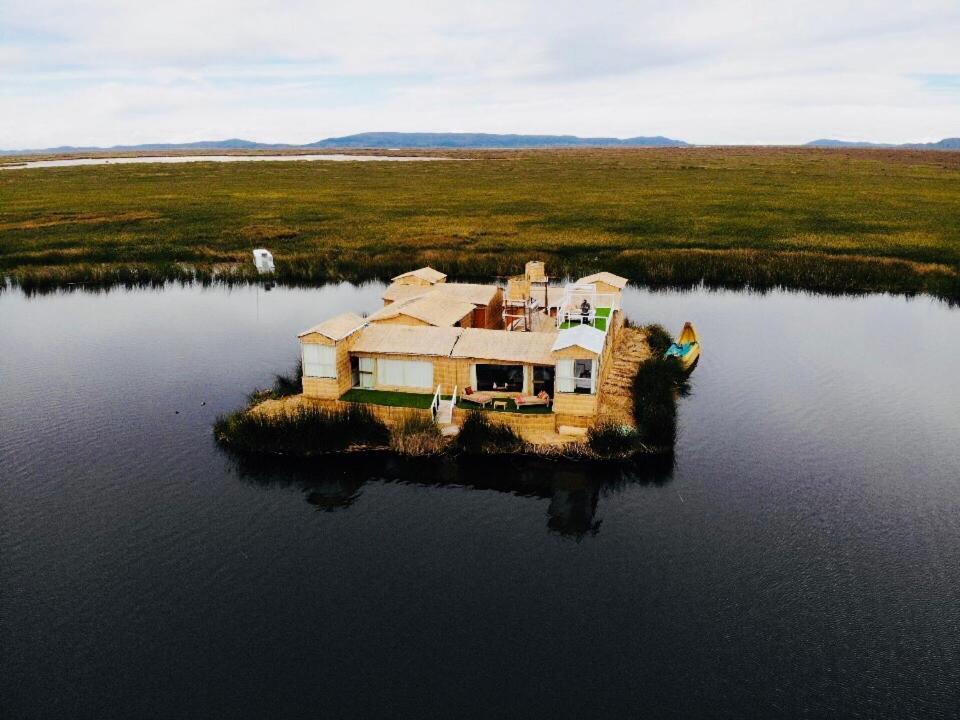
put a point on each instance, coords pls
(263, 260)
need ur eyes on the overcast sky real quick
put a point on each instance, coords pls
(104, 71)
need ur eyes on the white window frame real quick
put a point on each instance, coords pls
(405, 373)
(367, 372)
(319, 361)
(566, 380)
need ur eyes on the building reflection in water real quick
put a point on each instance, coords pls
(573, 490)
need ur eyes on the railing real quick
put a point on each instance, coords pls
(435, 403)
(444, 413)
(570, 308)
(572, 316)
(564, 384)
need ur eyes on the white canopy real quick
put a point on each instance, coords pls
(585, 336)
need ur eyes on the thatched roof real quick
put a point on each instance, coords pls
(543, 295)
(464, 292)
(604, 277)
(585, 336)
(338, 327)
(432, 309)
(397, 292)
(541, 322)
(428, 274)
(468, 292)
(520, 347)
(406, 340)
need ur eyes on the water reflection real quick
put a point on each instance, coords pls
(165, 159)
(573, 491)
(805, 552)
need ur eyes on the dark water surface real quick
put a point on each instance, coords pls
(800, 559)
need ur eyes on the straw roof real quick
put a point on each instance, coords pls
(604, 277)
(337, 328)
(464, 292)
(397, 292)
(552, 294)
(406, 340)
(520, 347)
(438, 311)
(541, 322)
(431, 309)
(387, 311)
(427, 274)
(468, 292)
(585, 336)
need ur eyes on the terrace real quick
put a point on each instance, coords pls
(598, 318)
(583, 304)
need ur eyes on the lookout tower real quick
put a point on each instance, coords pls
(526, 297)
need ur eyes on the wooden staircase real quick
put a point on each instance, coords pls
(614, 400)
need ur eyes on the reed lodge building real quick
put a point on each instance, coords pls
(534, 353)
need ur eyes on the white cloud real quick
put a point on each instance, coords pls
(104, 72)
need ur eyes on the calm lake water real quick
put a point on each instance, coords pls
(800, 559)
(332, 157)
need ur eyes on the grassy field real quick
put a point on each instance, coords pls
(838, 221)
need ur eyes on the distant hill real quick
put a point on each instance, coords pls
(945, 144)
(382, 140)
(461, 141)
(231, 144)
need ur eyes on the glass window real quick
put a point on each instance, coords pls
(501, 378)
(319, 361)
(543, 379)
(405, 373)
(583, 375)
(575, 376)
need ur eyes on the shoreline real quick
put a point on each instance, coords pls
(682, 269)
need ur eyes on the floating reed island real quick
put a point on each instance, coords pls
(531, 368)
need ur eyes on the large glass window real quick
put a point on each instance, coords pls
(405, 373)
(575, 376)
(319, 361)
(501, 378)
(543, 379)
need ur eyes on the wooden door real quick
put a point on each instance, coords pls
(480, 317)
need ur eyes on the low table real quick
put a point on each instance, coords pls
(499, 404)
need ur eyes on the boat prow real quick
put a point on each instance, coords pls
(687, 347)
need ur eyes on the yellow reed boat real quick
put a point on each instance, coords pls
(687, 346)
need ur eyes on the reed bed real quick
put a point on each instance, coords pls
(658, 339)
(656, 386)
(302, 433)
(827, 221)
(610, 440)
(284, 385)
(481, 436)
(417, 436)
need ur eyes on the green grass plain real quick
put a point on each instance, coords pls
(831, 220)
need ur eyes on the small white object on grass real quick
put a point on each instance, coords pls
(263, 260)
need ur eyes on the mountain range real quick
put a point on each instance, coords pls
(384, 141)
(945, 144)
(463, 141)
